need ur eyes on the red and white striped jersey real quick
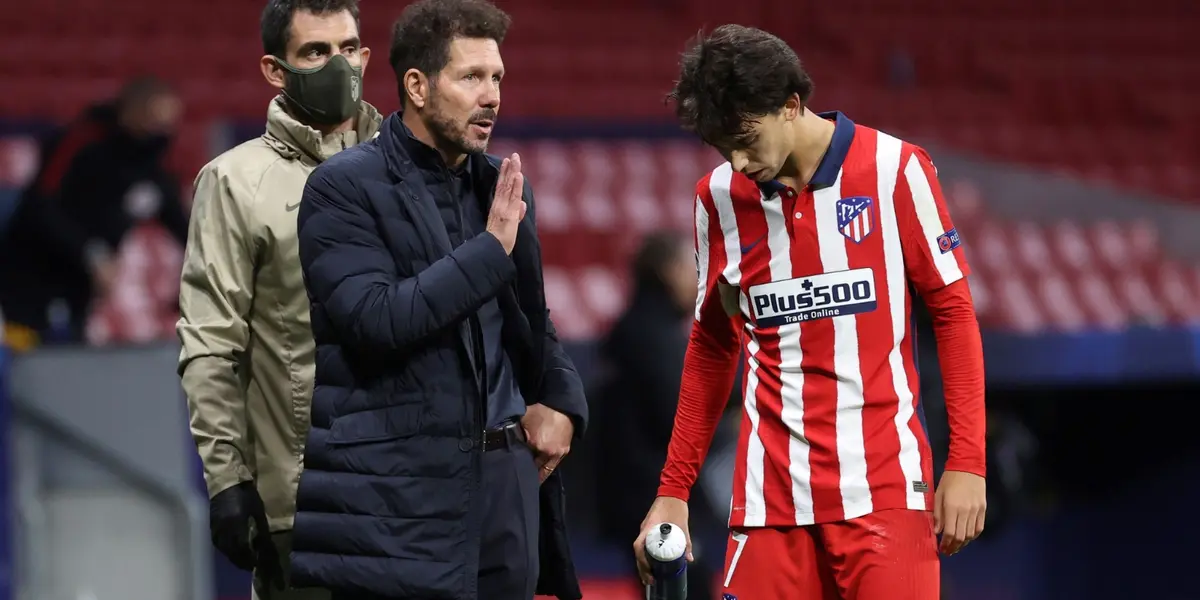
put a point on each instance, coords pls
(831, 426)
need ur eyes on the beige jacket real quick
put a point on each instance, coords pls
(248, 355)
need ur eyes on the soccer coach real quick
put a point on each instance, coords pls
(443, 400)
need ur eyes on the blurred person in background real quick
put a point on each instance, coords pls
(643, 360)
(444, 401)
(811, 240)
(248, 355)
(97, 179)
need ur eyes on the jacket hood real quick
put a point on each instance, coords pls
(293, 139)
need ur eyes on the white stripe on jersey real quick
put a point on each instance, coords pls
(887, 157)
(756, 505)
(790, 374)
(931, 221)
(702, 250)
(718, 186)
(851, 447)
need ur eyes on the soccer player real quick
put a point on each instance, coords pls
(808, 242)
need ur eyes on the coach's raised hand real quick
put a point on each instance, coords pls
(664, 510)
(508, 207)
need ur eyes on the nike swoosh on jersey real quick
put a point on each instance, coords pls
(746, 249)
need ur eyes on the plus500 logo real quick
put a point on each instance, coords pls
(820, 296)
(815, 297)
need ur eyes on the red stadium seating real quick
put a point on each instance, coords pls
(1108, 90)
(595, 200)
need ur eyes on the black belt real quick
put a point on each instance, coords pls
(503, 436)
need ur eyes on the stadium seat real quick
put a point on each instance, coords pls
(1045, 73)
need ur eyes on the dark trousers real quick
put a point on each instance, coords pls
(508, 548)
(508, 544)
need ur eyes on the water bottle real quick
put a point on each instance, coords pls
(666, 550)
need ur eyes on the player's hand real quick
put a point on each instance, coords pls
(508, 207)
(549, 434)
(959, 507)
(664, 510)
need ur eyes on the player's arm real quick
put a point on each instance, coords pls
(710, 364)
(935, 265)
(709, 367)
(215, 295)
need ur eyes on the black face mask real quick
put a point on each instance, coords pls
(327, 95)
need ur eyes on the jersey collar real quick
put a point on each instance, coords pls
(827, 171)
(843, 135)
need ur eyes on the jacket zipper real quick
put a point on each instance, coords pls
(475, 353)
(474, 329)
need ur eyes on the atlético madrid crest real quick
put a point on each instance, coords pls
(854, 217)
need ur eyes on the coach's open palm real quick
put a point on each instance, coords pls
(508, 207)
(664, 510)
(959, 508)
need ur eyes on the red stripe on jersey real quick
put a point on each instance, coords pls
(875, 341)
(737, 515)
(819, 390)
(909, 353)
(768, 394)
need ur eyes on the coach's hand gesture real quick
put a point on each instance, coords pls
(549, 433)
(664, 510)
(959, 507)
(508, 207)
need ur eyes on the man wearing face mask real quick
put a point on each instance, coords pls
(248, 355)
(100, 177)
(443, 401)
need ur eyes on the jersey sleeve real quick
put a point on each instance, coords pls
(960, 354)
(934, 262)
(933, 253)
(710, 364)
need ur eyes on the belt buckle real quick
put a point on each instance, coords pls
(498, 440)
(506, 436)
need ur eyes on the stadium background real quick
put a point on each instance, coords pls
(1065, 133)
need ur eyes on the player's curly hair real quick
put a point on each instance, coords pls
(421, 36)
(275, 25)
(733, 77)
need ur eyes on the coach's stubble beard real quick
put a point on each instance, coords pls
(453, 137)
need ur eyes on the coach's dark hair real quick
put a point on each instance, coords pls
(421, 36)
(733, 77)
(276, 21)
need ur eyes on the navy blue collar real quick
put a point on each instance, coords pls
(827, 171)
(399, 147)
